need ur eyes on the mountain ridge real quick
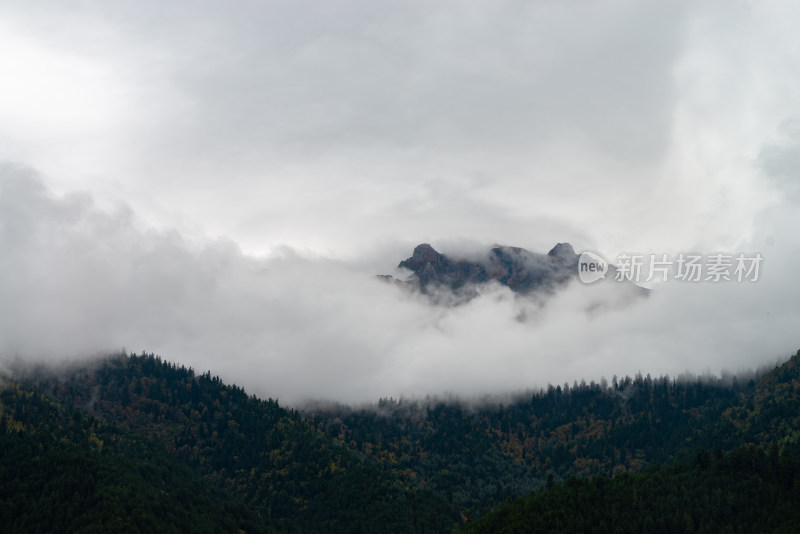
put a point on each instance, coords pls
(401, 467)
(519, 269)
(451, 280)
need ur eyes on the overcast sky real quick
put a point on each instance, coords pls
(217, 181)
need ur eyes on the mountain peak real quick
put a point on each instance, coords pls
(519, 269)
(562, 250)
(423, 256)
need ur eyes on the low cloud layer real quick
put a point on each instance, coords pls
(77, 280)
(324, 140)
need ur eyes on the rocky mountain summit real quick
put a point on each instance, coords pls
(520, 270)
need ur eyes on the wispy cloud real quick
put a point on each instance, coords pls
(331, 127)
(76, 280)
(325, 140)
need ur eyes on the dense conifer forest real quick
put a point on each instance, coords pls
(139, 444)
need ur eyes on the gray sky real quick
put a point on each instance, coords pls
(218, 181)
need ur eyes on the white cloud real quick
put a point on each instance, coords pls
(325, 140)
(332, 127)
(75, 280)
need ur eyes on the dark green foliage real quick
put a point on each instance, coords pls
(741, 492)
(478, 457)
(771, 413)
(280, 465)
(64, 472)
(133, 443)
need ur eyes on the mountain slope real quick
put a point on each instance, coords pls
(476, 456)
(280, 465)
(746, 490)
(62, 471)
(169, 442)
(771, 414)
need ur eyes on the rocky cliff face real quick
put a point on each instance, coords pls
(429, 267)
(519, 269)
(450, 281)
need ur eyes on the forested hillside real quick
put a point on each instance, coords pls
(63, 471)
(131, 441)
(479, 455)
(744, 491)
(273, 462)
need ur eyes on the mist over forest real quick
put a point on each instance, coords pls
(319, 266)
